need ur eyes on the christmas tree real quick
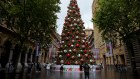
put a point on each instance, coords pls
(74, 48)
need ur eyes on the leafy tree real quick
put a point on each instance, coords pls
(32, 20)
(117, 18)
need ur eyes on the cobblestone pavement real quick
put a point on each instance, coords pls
(46, 74)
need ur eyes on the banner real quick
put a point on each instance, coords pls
(96, 53)
(37, 49)
(109, 48)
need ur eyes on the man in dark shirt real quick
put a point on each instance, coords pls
(86, 70)
(81, 67)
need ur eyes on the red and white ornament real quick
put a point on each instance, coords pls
(71, 25)
(79, 55)
(89, 50)
(83, 46)
(62, 41)
(60, 56)
(76, 62)
(73, 28)
(73, 57)
(75, 24)
(68, 55)
(86, 55)
(77, 32)
(91, 60)
(82, 34)
(82, 59)
(73, 41)
(74, 50)
(65, 51)
(70, 50)
(67, 38)
(68, 32)
(62, 61)
(69, 44)
(79, 40)
(72, 45)
(68, 63)
(85, 51)
(77, 37)
(77, 45)
(83, 41)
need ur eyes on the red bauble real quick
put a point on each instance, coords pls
(85, 51)
(86, 44)
(68, 55)
(73, 36)
(68, 32)
(77, 45)
(79, 40)
(68, 63)
(69, 45)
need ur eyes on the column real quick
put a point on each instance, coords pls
(10, 58)
(19, 65)
(31, 57)
(0, 51)
(11, 55)
(0, 55)
(26, 57)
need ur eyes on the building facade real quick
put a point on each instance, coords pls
(32, 52)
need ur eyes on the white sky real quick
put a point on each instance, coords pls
(85, 11)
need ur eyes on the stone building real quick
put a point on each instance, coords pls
(9, 47)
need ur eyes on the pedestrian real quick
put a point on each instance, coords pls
(81, 67)
(101, 66)
(38, 66)
(30, 65)
(86, 70)
(10, 67)
(61, 68)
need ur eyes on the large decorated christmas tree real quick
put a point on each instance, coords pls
(74, 48)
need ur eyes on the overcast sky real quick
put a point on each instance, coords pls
(85, 11)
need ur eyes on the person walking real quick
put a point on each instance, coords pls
(81, 67)
(61, 68)
(86, 70)
(30, 65)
